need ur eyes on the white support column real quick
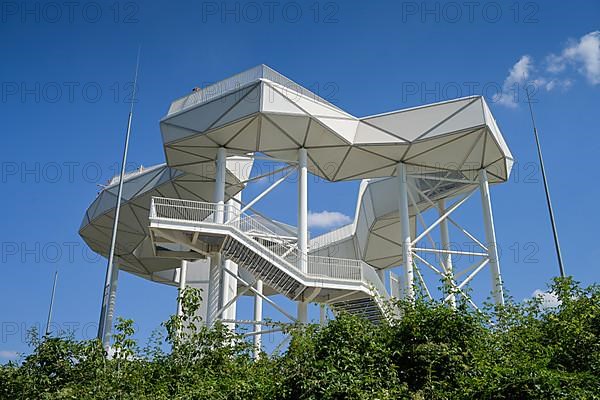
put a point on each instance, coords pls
(214, 285)
(110, 306)
(303, 208)
(303, 224)
(447, 257)
(302, 312)
(219, 194)
(258, 312)
(490, 236)
(408, 290)
(381, 275)
(182, 281)
(214, 289)
(322, 314)
(229, 284)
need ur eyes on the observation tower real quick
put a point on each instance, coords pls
(188, 223)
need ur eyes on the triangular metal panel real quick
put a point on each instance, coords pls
(182, 156)
(328, 159)
(201, 117)
(358, 162)
(247, 106)
(320, 136)
(342, 127)
(424, 146)
(495, 130)
(273, 102)
(446, 156)
(366, 133)
(474, 158)
(246, 140)
(391, 151)
(223, 135)
(293, 126)
(469, 117)
(310, 106)
(272, 138)
(492, 151)
(107, 201)
(412, 123)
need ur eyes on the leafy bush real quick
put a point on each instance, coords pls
(520, 351)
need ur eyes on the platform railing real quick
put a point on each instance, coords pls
(338, 268)
(237, 81)
(282, 247)
(331, 237)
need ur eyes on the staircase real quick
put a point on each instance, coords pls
(262, 268)
(346, 285)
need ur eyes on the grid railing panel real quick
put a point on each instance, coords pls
(282, 248)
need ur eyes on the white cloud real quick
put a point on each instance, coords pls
(327, 219)
(583, 54)
(563, 84)
(549, 300)
(520, 71)
(518, 74)
(8, 354)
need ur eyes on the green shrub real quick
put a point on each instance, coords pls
(519, 351)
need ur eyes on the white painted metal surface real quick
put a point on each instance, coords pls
(412, 160)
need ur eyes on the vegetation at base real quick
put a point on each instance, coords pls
(520, 351)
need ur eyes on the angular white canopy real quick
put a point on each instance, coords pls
(374, 235)
(262, 111)
(133, 245)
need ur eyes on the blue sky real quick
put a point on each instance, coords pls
(65, 73)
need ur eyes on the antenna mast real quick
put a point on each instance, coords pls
(102, 329)
(49, 321)
(548, 201)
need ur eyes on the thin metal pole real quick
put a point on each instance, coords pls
(49, 321)
(547, 190)
(113, 241)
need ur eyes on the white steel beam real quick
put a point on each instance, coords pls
(446, 259)
(265, 298)
(258, 315)
(214, 288)
(408, 290)
(303, 208)
(490, 235)
(219, 193)
(229, 285)
(182, 281)
(442, 217)
(215, 275)
(265, 192)
(302, 312)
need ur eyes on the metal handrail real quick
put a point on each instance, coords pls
(331, 237)
(236, 82)
(197, 211)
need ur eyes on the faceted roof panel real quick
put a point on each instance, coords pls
(133, 237)
(263, 111)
